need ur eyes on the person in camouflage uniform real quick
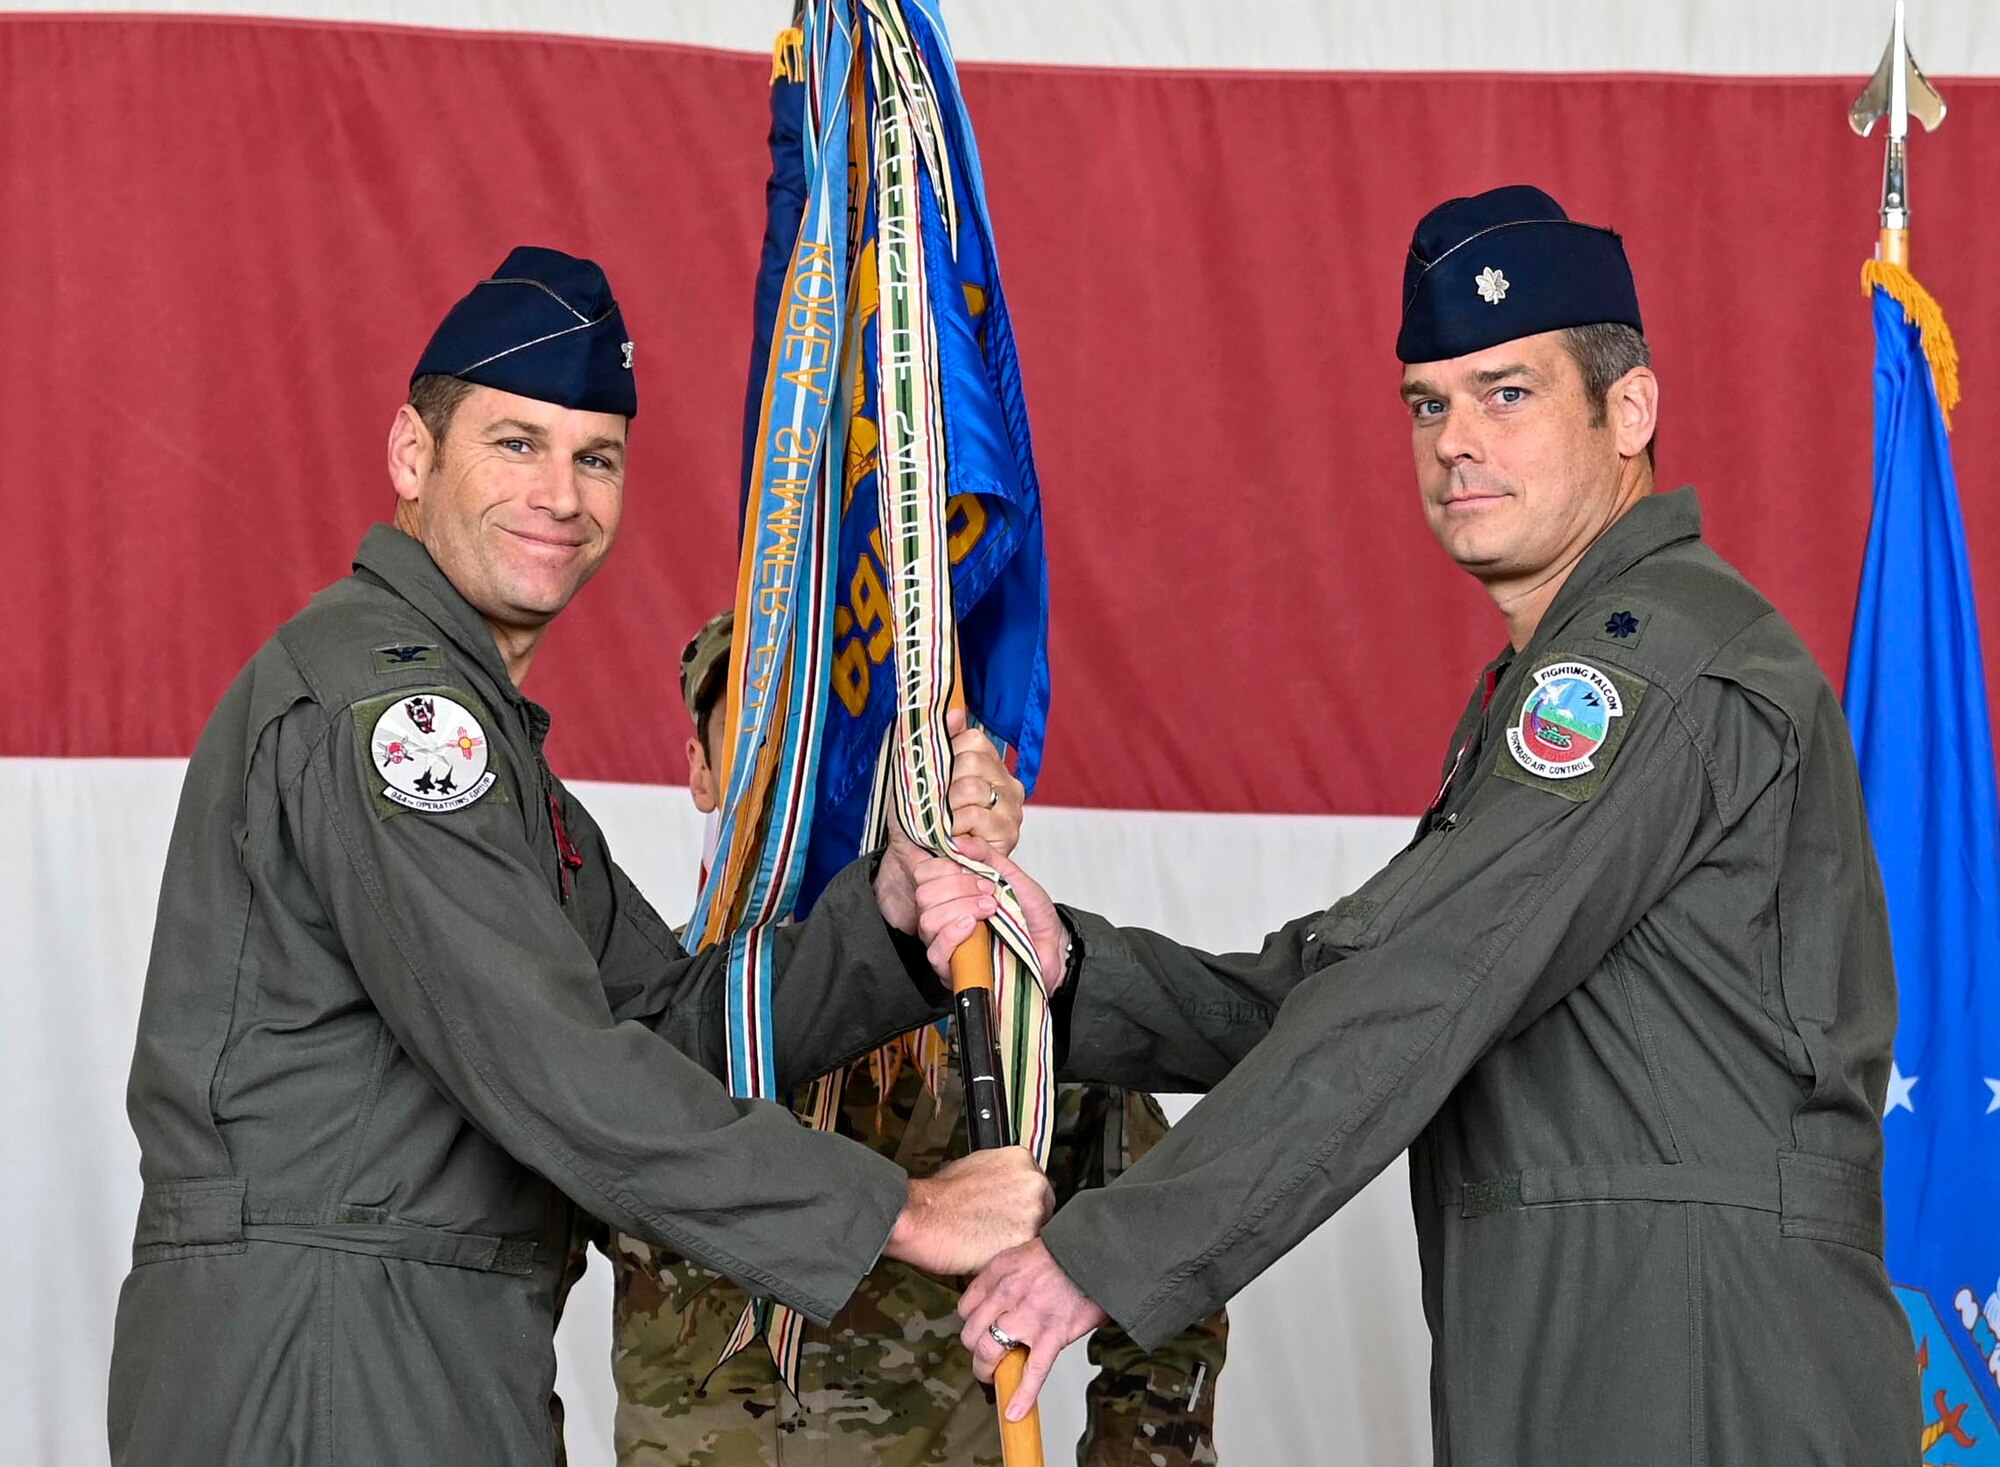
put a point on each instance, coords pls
(887, 1384)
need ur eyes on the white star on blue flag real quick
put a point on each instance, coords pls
(1900, 1086)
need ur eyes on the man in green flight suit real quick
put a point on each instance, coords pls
(404, 1016)
(1626, 998)
(887, 1383)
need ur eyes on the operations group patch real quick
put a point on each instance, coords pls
(1564, 720)
(431, 753)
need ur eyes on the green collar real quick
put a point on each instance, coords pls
(401, 563)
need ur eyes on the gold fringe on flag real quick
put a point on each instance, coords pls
(788, 56)
(1921, 310)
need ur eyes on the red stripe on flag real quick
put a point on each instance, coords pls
(222, 244)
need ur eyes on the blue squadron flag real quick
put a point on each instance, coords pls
(1916, 700)
(994, 517)
(891, 528)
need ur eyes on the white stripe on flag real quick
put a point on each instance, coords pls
(1703, 37)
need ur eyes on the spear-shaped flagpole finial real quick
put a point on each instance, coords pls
(1896, 92)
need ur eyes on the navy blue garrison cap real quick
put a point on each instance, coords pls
(1505, 264)
(545, 326)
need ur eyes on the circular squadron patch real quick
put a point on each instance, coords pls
(432, 753)
(1564, 720)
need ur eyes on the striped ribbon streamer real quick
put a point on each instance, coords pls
(910, 171)
(778, 665)
(779, 676)
(778, 656)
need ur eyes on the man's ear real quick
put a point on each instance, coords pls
(701, 778)
(412, 452)
(1634, 406)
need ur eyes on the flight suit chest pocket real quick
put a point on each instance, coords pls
(1365, 918)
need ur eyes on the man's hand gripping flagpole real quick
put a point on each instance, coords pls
(976, 1032)
(1023, 1292)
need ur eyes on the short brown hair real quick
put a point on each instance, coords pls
(436, 398)
(1603, 353)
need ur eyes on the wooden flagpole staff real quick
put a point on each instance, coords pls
(976, 1028)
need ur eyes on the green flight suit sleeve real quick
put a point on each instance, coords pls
(1394, 994)
(846, 983)
(1141, 1016)
(450, 924)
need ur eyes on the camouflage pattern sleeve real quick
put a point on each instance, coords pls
(1158, 1406)
(1155, 1407)
(887, 1383)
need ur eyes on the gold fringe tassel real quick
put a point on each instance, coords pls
(1922, 311)
(788, 56)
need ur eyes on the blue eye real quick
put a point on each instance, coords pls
(1512, 395)
(1428, 407)
(516, 445)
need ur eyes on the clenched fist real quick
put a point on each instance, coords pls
(975, 1207)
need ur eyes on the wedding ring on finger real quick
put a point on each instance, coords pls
(1001, 1338)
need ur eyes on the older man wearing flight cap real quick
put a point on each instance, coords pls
(1626, 997)
(404, 1015)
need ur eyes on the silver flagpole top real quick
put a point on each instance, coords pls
(1896, 92)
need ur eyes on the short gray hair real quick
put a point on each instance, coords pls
(1603, 353)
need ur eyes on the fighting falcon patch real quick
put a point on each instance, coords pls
(430, 753)
(1570, 724)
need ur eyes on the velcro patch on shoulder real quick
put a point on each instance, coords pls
(1624, 626)
(1569, 727)
(404, 656)
(425, 751)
